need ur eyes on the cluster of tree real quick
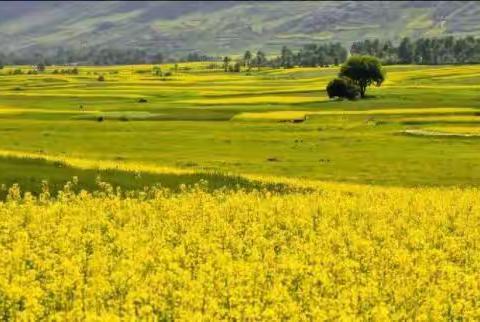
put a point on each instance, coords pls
(248, 61)
(310, 55)
(84, 56)
(227, 67)
(356, 74)
(196, 56)
(95, 56)
(16, 71)
(41, 69)
(427, 51)
(72, 71)
(157, 71)
(446, 50)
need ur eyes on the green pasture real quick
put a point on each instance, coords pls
(267, 122)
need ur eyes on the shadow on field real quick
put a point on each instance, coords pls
(29, 174)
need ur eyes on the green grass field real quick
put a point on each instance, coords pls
(211, 123)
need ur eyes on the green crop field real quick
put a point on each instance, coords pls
(203, 123)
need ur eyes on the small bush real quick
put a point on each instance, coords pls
(342, 87)
(142, 100)
(237, 68)
(273, 159)
(101, 78)
(157, 71)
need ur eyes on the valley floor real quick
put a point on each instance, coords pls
(239, 196)
(267, 122)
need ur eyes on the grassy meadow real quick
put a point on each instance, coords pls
(267, 122)
(246, 196)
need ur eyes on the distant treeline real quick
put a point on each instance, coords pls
(311, 55)
(87, 56)
(96, 56)
(425, 51)
(428, 51)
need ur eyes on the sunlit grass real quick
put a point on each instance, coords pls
(264, 99)
(438, 119)
(235, 121)
(456, 129)
(286, 115)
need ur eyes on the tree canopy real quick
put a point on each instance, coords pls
(363, 71)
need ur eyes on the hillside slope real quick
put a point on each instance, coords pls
(226, 27)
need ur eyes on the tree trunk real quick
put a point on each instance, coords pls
(362, 91)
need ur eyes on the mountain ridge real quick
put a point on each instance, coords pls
(219, 28)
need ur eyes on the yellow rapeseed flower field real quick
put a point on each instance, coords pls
(323, 252)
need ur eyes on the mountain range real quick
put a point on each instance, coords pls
(226, 27)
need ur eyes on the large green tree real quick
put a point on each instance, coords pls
(363, 71)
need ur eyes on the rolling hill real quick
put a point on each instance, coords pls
(226, 27)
